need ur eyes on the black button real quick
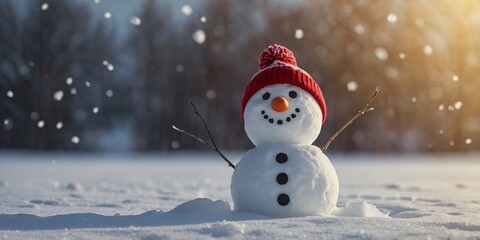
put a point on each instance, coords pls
(281, 158)
(297, 109)
(283, 199)
(270, 120)
(282, 178)
(279, 122)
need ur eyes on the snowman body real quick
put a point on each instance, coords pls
(284, 176)
(285, 180)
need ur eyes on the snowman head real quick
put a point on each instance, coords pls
(282, 103)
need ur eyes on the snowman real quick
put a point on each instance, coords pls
(283, 110)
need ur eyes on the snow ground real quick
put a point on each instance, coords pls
(131, 197)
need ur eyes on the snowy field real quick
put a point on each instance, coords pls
(141, 197)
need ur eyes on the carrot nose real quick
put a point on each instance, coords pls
(279, 104)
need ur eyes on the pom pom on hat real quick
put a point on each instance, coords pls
(276, 53)
(279, 66)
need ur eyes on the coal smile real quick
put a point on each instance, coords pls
(280, 121)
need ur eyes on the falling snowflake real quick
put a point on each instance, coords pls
(73, 91)
(402, 55)
(299, 33)
(40, 124)
(59, 125)
(420, 23)
(468, 141)
(75, 139)
(7, 124)
(428, 50)
(413, 99)
(88, 84)
(458, 105)
(175, 144)
(34, 116)
(109, 93)
(389, 112)
(440, 131)
(352, 86)
(211, 94)
(105, 62)
(392, 18)
(199, 36)
(451, 143)
(455, 78)
(381, 53)
(110, 67)
(69, 81)
(186, 10)
(97, 1)
(95, 110)
(391, 72)
(359, 29)
(135, 21)
(58, 95)
(44, 6)
(441, 107)
(107, 15)
(451, 108)
(10, 94)
(179, 68)
(203, 19)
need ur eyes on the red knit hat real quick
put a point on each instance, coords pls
(278, 66)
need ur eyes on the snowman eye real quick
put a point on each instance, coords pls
(266, 96)
(292, 94)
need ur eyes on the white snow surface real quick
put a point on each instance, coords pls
(311, 183)
(187, 196)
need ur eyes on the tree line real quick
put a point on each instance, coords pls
(128, 92)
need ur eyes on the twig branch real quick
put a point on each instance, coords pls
(366, 109)
(213, 145)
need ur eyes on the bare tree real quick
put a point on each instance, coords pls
(51, 45)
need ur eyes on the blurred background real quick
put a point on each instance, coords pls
(115, 75)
